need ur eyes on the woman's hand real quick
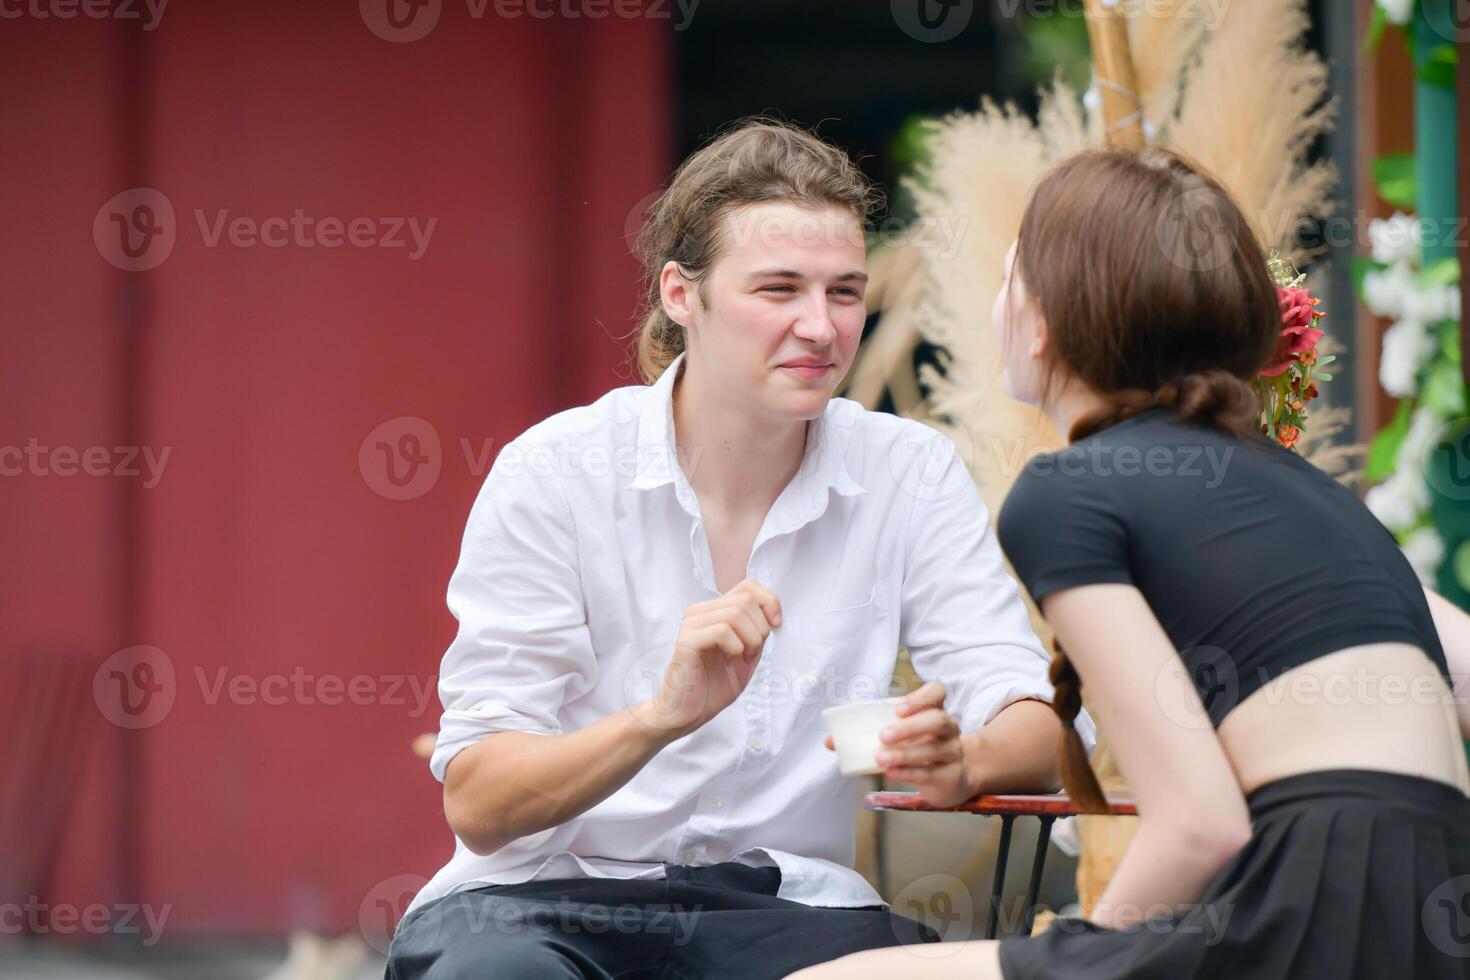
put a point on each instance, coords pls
(924, 748)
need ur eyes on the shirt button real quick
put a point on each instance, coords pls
(688, 857)
(716, 802)
(757, 744)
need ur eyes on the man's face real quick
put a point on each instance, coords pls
(782, 308)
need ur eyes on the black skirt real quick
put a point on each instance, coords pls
(1349, 873)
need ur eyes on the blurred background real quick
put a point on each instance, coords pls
(281, 277)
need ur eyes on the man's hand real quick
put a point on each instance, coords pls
(719, 646)
(924, 748)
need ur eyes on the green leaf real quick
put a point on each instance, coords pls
(1444, 389)
(1326, 360)
(1375, 29)
(1441, 272)
(1449, 341)
(1439, 67)
(1385, 445)
(1321, 376)
(1461, 561)
(1393, 176)
(1361, 266)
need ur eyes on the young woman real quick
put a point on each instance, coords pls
(1269, 672)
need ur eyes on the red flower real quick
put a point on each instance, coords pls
(1297, 333)
(1287, 435)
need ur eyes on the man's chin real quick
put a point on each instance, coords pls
(799, 405)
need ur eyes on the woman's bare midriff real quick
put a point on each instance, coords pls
(1378, 706)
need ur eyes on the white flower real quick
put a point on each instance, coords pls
(1434, 305)
(1398, 11)
(1389, 291)
(1398, 501)
(1425, 550)
(1394, 239)
(1422, 426)
(1405, 346)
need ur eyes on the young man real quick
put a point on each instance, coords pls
(659, 592)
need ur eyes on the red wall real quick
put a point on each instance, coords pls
(266, 549)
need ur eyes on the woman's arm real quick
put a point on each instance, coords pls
(1192, 815)
(1453, 626)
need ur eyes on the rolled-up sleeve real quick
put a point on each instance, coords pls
(523, 648)
(962, 617)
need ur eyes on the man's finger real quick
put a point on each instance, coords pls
(931, 695)
(767, 599)
(931, 722)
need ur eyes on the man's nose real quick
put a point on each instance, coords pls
(815, 322)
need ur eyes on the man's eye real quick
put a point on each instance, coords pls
(779, 288)
(848, 291)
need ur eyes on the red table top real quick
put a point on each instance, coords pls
(1035, 805)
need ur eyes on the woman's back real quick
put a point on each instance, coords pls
(1298, 620)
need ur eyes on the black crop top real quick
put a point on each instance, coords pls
(1253, 560)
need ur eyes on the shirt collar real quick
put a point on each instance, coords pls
(822, 466)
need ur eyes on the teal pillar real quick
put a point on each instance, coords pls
(1437, 190)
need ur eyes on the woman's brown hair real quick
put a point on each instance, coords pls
(756, 160)
(1155, 294)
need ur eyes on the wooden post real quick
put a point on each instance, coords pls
(1113, 74)
(1105, 838)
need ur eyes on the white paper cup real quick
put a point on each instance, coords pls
(855, 729)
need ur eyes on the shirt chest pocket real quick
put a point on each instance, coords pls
(830, 630)
(831, 655)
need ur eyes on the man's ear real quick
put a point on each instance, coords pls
(679, 295)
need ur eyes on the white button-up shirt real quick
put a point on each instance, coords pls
(582, 552)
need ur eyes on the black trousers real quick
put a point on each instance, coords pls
(718, 921)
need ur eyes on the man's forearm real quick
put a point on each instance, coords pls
(1016, 752)
(512, 784)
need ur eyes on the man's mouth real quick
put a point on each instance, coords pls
(808, 370)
